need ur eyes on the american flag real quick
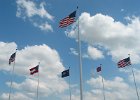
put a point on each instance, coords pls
(34, 70)
(12, 58)
(124, 62)
(68, 20)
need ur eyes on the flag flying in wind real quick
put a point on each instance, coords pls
(68, 20)
(65, 73)
(34, 70)
(99, 69)
(12, 58)
(124, 62)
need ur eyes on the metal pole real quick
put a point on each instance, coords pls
(38, 84)
(69, 85)
(12, 77)
(80, 63)
(103, 88)
(134, 80)
(38, 87)
(103, 83)
(11, 81)
(135, 83)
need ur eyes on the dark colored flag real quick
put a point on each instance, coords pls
(12, 58)
(68, 20)
(99, 69)
(124, 62)
(65, 73)
(34, 70)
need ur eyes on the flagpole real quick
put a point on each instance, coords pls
(12, 72)
(134, 80)
(103, 84)
(38, 84)
(11, 81)
(69, 85)
(80, 63)
(103, 88)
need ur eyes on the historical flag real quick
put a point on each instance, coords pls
(12, 58)
(99, 69)
(124, 62)
(65, 73)
(34, 70)
(68, 20)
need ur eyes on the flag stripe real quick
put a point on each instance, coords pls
(65, 22)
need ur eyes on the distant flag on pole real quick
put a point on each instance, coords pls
(12, 58)
(99, 69)
(67, 20)
(65, 73)
(124, 62)
(34, 70)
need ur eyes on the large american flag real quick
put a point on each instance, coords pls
(124, 62)
(68, 20)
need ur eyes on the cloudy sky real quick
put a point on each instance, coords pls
(109, 30)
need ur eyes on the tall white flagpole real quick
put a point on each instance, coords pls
(80, 63)
(12, 72)
(69, 84)
(11, 81)
(134, 79)
(103, 83)
(103, 88)
(38, 83)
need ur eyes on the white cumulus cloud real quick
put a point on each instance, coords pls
(94, 53)
(28, 9)
(117, 38)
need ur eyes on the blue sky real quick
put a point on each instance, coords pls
(109, 31)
